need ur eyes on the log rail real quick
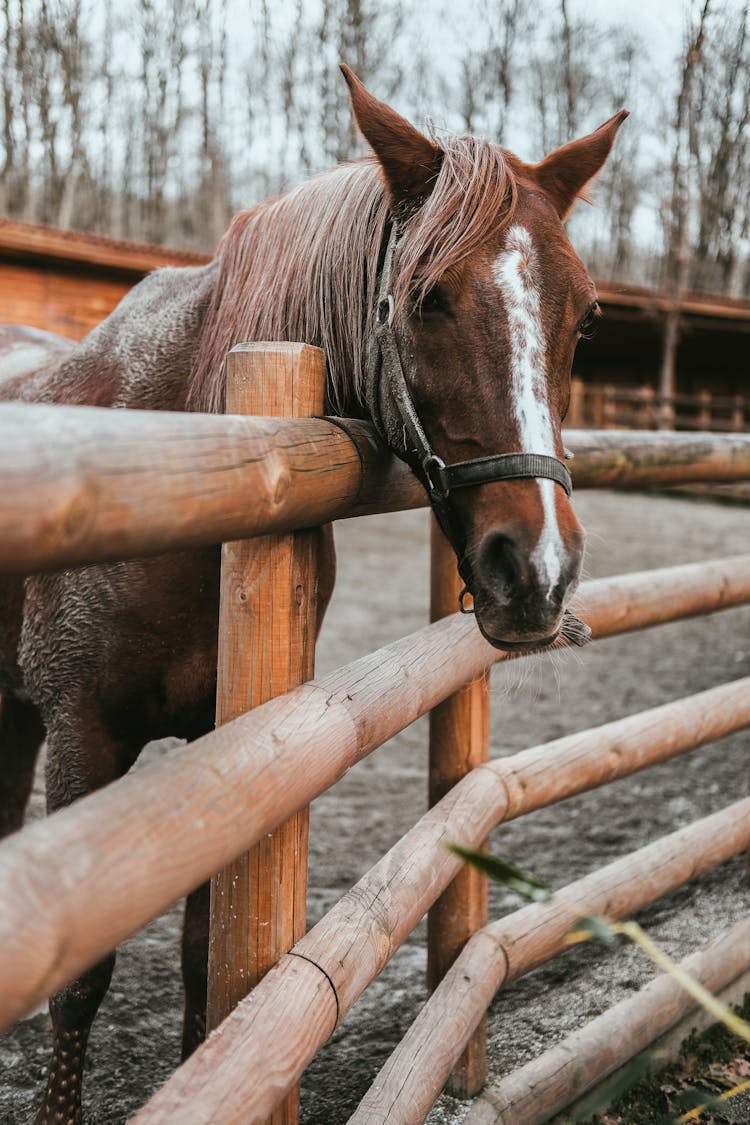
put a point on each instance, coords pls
(81, 485)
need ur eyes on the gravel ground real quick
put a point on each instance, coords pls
(381, 594)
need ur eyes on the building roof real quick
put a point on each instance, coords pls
(55, 247)
(67, 281)
(617, 295)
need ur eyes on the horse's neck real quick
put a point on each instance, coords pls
(139, 357)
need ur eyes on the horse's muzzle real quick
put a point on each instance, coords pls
(520, 599)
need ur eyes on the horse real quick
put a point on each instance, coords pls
(437, 277)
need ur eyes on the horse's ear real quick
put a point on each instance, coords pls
(563, 174)
(410, 161)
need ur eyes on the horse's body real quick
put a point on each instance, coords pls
(488, 301)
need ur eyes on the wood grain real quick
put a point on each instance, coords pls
(267, 625)
(355, 940)
(414, 1074)
(86, 484)
(66, 281)
(55, 300)
(76, 884)
(378, 903)
(545, 1086)
(459, 741)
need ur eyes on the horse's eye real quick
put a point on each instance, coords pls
(586, 327)
(434, 301)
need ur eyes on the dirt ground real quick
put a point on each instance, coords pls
(381, 594)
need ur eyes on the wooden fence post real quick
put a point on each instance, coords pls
(266, 646)
(737, 423)
(609, 407)
(704, 409)
(576, 417)
(645, 414)
(459, 741)
(596, 406)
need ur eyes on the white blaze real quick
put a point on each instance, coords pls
(514, 272)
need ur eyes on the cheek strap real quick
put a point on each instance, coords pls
(440, 480)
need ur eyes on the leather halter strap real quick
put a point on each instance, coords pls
(384, 362)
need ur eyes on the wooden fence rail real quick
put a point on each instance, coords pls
(354, 941)
(85, 484)
(501, 952)
(76, 884)
(644, 408)
(567, 1071)
(81, 485)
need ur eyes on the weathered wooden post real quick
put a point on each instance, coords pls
(267, 624)
(737, 423)
(667, 378)
(704, 409)
(577, 407)
(596, 406)
(459, 741)
(645, 413)
(609, 407)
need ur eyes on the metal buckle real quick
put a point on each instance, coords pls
(387, 304)
(433, 462)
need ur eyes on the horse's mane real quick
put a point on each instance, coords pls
(304, 267)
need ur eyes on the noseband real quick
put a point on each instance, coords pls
(440, 480)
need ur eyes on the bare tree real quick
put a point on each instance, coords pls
(719, 132)
(161, 144)
(677, 258)
(488, 74)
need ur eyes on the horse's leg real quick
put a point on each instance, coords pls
(21, 735)
(83, 753)
(195, 968)
(326, 571)
(195, 929)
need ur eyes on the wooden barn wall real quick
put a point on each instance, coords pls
(57, 299)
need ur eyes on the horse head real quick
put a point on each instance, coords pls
(482, 302)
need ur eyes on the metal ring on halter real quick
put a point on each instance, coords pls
(436, 464)
(569, 454)
(388, 302)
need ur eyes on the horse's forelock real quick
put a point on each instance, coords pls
(304, 267)
(474, 195)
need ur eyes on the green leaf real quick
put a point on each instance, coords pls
(502, 871)
(631, 1073)
(691, 1098)
(597, 928)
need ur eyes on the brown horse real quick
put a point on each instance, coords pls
(444, 256)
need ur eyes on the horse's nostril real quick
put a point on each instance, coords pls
(503, 564)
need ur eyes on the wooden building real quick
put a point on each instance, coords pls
(66, 282)
(627, 374)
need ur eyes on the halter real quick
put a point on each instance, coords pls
(440, 479)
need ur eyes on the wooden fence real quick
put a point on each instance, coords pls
(82, 485)
(609, 406)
